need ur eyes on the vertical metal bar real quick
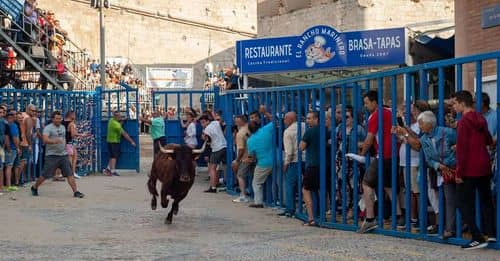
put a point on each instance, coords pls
(272, 179)
(394, 156)
(280, 148)
(356, 99)
(407, 173)
(322, 159)
(229, 138)
(497, 169)
(299, 152)
(479, 103)
(441, 123)
(380, 173)
(344, 151)
(334, 148)
(424, 88)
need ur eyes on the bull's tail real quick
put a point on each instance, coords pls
(152, 189)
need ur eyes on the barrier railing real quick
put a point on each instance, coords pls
(82, 103)
(90, 119)
(340, 178)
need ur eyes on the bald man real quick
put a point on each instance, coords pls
(290, 166)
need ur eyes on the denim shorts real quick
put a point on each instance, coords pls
(10, 158)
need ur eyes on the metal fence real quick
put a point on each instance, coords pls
(92, 111)
(339, 193)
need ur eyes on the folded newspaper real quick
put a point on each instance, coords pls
(358, 158)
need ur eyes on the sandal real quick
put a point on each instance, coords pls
(310, 223)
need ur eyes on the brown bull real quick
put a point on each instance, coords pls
(175, 168)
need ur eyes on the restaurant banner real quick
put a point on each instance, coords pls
(322, 47)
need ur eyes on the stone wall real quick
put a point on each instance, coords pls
(161, 32)
(285, 17)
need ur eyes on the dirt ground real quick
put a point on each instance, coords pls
(114, 222)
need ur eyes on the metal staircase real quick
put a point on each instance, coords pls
(38, 71)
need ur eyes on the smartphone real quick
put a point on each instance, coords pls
(401, 122)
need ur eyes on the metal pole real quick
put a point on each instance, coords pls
(102, 39)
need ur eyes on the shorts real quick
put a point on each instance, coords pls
(56, 162)
(245, 170)
(415, 185)
(70, 149)
(218, 157)
(25, 154)
(114, 150)
(2, 156)
(156, 146)
(310, 179)
(371, 178)
(10, 158)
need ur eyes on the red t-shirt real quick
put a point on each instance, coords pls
(387, 136)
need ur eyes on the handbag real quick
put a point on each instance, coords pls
(449, 173)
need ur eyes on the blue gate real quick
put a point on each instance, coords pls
(46, 102)
(126, 101)
(336, 203)
(178, 100)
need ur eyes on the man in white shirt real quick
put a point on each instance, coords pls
(213, 132)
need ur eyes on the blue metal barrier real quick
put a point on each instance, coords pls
(84, 104)
(201, 100)
(126, 101)
(394, 87)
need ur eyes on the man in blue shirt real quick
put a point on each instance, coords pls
(11, 159)
(260, 145)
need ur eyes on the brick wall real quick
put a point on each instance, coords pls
(471, 39)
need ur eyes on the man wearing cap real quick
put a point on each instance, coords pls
(115, 132)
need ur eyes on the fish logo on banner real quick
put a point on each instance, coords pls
(319, 45)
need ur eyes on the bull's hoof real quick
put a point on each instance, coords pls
(153, 204)
(164, 204)
(168, 222)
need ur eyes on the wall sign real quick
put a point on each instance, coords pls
(490, 16)
(322, 47)
(169, 78)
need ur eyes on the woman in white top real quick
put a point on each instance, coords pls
(190, 137)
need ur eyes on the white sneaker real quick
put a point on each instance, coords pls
(76, 176)
(240, 200)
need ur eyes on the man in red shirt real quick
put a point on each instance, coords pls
(474, 169)
(370, 179)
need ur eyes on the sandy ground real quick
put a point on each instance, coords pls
(114, 222)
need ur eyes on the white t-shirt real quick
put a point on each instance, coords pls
(190, 138)
(414, 155)
(214, 130)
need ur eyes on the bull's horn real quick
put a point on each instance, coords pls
(166, 151)
(201, 150)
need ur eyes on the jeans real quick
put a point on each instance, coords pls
(450, 206)
(259, 178)
(467, 198)
(291, 183)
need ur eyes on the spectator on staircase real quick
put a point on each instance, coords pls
(63, 75)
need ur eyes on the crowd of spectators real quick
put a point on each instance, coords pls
(458, 158)
(226, 79)
(115, 73)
